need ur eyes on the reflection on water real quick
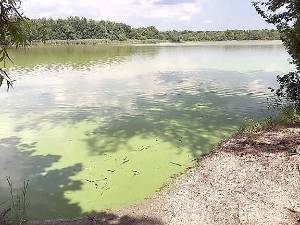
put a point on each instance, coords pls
(104, 127)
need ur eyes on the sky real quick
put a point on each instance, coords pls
(163, 14)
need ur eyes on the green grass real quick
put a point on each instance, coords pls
(15, 212)
(288, 116)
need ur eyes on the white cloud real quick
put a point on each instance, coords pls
(208, 21)
(129, 11)
(164, 14)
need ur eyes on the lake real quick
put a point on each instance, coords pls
(104, 127)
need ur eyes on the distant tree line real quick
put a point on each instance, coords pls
(74, 28)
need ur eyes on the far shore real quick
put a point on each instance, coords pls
(162, 43)
(233, 42)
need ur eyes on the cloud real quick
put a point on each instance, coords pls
(130, 11)
(171, 10)
(164, 14)
(208, 21)
(172, 2)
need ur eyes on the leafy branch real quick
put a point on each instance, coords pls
(285, 15)
(11, 34)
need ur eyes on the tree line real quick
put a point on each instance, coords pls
(74, 28)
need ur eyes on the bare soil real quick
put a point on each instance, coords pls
(249, 179)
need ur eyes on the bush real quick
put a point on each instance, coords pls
(289, 116)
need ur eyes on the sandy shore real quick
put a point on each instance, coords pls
(249, 179)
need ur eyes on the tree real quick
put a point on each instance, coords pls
(74, 28)
(11, 33)
(285, 15)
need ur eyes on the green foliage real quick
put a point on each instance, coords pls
(74, 28)
(286, 117)
(251, 125)
(11, 33)
(289, 88)
(18, 203)
(285, 15)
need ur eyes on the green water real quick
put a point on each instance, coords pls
(97, 128)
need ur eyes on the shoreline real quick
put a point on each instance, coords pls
(242, 168)
(159, 43)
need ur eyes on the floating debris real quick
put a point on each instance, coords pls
(90, 181)
(135, 172)
(177, 164)
(144, 148)
(125, 160)
(94, 181)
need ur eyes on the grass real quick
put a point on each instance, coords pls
(288, 116)
(15, 213)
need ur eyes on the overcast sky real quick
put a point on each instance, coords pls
(164, 14)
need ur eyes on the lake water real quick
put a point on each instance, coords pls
(99, 127)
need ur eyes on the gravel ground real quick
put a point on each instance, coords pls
(252, 179)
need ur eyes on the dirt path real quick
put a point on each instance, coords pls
(251, 179)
